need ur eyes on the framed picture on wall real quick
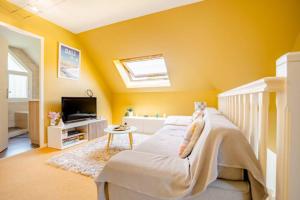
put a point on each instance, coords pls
(68, 62)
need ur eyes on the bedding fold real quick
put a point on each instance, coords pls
(165, 175)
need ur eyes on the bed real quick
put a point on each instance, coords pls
(218, 166)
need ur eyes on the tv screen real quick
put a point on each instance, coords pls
(78, 108)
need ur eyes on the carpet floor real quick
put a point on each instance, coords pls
(28, 177)
(90, 158)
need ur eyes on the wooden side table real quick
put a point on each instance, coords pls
(111, 132)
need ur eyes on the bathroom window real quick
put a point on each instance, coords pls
(19, 79)
(147, 71)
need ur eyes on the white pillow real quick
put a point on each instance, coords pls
(179, 120)
(192, 135)
(211, 111)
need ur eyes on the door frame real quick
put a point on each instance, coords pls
(3, 97)
(41, 77)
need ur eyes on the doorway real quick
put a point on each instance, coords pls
(21, 91)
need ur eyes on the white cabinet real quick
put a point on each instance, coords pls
(96, 129)
(147, 125)
(61, 137)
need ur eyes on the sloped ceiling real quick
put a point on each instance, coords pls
(82, 15)
(211, 45)
(28, 44)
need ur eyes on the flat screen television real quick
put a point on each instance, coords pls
(78, 108)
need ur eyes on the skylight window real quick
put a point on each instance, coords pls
(14, 65)
(155, 67)
(150, 71)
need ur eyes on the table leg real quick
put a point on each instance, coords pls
(108, 142)
(111, 138)
(130, 140)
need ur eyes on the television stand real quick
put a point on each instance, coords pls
(59, 137)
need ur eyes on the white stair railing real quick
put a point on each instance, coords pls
(288, 128)
(248, 107)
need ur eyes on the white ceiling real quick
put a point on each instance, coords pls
(82, 15)
(28, 44)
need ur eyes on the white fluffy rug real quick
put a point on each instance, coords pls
(90, 158)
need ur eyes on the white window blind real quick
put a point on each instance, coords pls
(18, 86)
(147, 68)
(18, 79)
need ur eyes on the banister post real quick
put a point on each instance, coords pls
(282, 145)
(231, 107)
(234, 109)
(288, 128)
(246, 118)
(253, 136)
(241, 111)
(263, 127)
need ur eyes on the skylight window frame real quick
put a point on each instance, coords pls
(156, 80)
(153, 76)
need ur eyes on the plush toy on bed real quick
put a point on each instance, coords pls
(199, 109)
(200, 105)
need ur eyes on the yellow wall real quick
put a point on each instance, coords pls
(55, 88)
(297, 44)
(171, 103)
(209, 46)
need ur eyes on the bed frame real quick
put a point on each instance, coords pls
(248, 107)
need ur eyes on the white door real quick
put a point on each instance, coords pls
(3, 95)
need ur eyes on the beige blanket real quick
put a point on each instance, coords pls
(170, 177)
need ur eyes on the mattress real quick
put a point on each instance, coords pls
(219, 189)
(167, 141)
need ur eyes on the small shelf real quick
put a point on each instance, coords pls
(80, 123)
(73, 144)
(58, 136)
(78, 134)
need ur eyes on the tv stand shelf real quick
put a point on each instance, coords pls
(75, 135)
(58, 137)
(81, 123)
